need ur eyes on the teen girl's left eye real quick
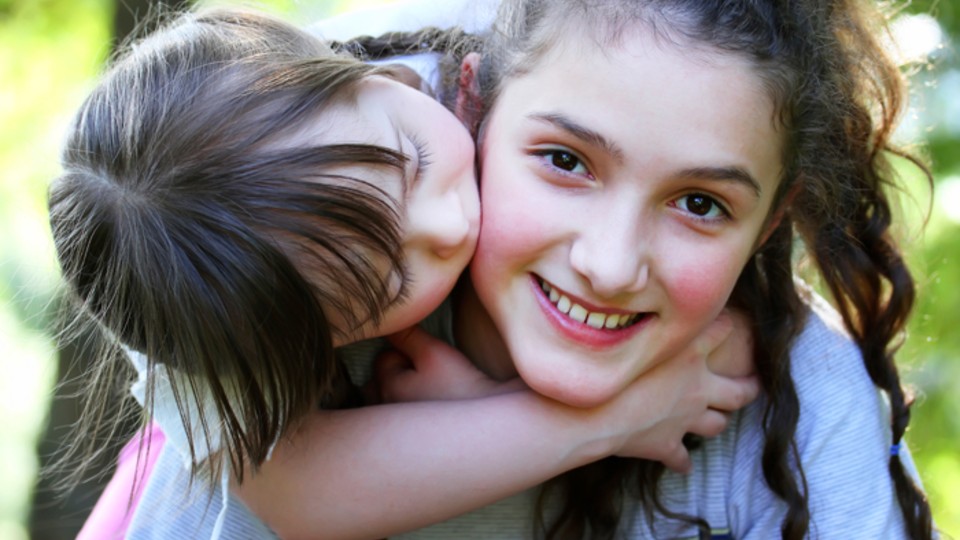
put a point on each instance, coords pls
(564, 161)
(701, 206)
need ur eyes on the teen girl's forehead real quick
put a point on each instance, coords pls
(626, 88)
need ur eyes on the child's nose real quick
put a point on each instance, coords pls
(443, 228)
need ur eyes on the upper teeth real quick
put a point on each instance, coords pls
(580, 314)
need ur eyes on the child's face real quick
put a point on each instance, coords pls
(437, 193)
(630, 183)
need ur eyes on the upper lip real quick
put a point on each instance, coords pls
(589, 306)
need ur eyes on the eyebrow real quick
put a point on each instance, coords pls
(579, 131)
(736, 175)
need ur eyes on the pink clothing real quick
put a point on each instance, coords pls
(111, 516)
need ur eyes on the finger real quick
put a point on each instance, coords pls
(710, 424)
(734, 356)
(714, 335)
(419, 345)
(393, 371)
(390, 364)
(399, 339)
(731, 394)
(678, 460)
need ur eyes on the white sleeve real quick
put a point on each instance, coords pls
(166, 414)
(471, 15)
(843, 438)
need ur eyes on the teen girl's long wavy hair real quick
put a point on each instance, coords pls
(195, 228)
(838, 96)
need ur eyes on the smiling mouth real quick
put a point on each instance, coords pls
(580, 314)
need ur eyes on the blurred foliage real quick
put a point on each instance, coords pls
(947, 12)
(50, 50)
(932, 350)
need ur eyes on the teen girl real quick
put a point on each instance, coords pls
(659, 160)
(236, 202)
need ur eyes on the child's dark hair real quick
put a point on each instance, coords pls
(194, 230)
(838, 96)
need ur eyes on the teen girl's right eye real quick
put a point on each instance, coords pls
(701, 207)
(563, 161)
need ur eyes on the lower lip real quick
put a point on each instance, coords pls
(582, 333)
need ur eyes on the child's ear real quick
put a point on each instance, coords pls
(407, 76)
(468, 106)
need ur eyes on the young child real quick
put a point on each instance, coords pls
(661, 160)
(237, 202)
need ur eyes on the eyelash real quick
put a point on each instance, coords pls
(423, 155)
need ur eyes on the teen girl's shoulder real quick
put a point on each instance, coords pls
(827, 362)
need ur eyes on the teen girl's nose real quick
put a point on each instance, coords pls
(612, 257)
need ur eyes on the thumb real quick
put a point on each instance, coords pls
(389, 370)
(715, 334)
(420, 348)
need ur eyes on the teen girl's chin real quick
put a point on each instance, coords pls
(567, 360)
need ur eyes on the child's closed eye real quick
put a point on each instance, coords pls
(423, 156)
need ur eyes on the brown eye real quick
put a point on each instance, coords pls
(699, 204)
(564, 160)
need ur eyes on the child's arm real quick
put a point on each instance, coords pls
(382, 470)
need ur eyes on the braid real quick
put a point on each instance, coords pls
(766, 290)
(451, 41)
(852, 260)
(451, 44)
(860, 262)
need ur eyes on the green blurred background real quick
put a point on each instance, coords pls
(50, 52)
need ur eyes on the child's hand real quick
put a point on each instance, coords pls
(424, 368)
(690, 393)
(734, 356)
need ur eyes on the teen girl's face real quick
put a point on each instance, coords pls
(436, 193)
(624, 190)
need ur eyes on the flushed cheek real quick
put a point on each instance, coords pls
(699, 290)
(510, 232)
